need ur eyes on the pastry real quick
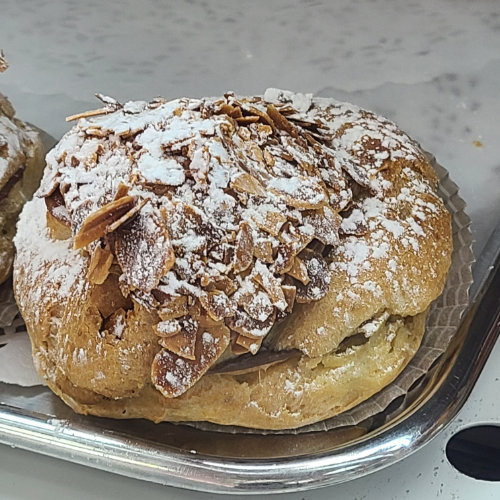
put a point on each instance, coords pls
(256, 261)
(21, 165)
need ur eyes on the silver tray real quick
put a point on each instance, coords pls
(177, 455)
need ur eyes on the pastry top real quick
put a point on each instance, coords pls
(217, 218)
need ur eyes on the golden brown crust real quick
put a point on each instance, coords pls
(21, 166)
(353, 243)
(297, 392)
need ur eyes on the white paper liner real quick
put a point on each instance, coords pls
(16, 365)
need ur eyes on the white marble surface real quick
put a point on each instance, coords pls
(432, 66)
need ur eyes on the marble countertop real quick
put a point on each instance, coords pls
(431, 66)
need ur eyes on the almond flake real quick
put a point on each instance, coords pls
(112, 227)
(243, 255)
(298, 270)
(167, 328)
(247, 326)
(99, 265)
(269, 158)
(257, 305)
(260, 115)
(325, 223)
(270, 284)
(122, 191)
(290, 293)
(144, 251)
(88, 114)
(282, 123)
(244, 120)
(217, 305)
(97, 224)
(173, 375)
(172, 307)
(271, 222)
(299, 192)
(263, 250)
(3, 63)
(54, 201)
(284, 258)
(249, 344)
(319, 278)
(245, 183)
(182, 344)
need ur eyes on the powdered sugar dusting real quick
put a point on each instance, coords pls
(44, 258)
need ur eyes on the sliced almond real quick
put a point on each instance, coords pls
(247, 326)
(57, 216)
(298, 270)
(243, 255)
(174, 307)
(284, 258)
(88, 114)
(290, 292)
(282, 123)
(182, 344)
(237, 349)
(225, 109)
(244, 133)
(272, 285)
(358, 173)
(256, 304)
(57, 229)
(173, 375)
(167, 328)
(269, 158)
(221, 283)
(246, 183)
(122, 190)
(3, 63)
(299, 192)
(263, 250)
(99, 265)
(217, 305)
(144, 251)
(299, 240)
(319, 278)
(325, 223)
(262, 115)
(116, 224)
(250, 345)
(245, 120)
(236, 113)
(270, 221)
(56, 206)
(97, 224)
(178, 336)
(316, 246)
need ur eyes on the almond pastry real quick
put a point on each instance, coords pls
(219, 259)
(21, 165)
